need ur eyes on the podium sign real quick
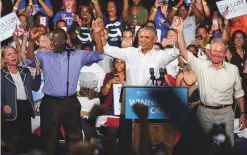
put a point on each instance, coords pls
(147, 96)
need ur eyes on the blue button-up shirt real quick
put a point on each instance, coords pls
(55, 66)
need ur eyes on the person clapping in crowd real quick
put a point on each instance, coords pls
(113, 23)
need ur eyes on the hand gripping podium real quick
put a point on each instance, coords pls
(167, 111)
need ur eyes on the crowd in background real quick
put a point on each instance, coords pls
(113, 46)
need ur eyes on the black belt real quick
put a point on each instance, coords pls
(214, 107)
(60, 97)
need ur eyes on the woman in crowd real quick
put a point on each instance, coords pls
(16, 100)
(138, 15)
(170, 41)
(67, 13)
(33, 7)
(187, 78)
(117, 76)
(112, 22)
(238, 48)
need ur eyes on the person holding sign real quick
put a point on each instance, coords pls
(218, 81)
(138, 61)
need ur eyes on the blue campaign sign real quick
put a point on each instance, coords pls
(151, 95)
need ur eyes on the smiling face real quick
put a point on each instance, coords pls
(146, 39)
(9, 57)
(23, 21)
(111, 9)
(217, 52)
(84, 12)
(183, 12)
(119, 65)
(172, 35)
(239, 40)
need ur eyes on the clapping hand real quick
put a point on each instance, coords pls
(97, 25)
(78, 20)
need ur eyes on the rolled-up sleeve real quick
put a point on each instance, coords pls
(194, 62)
(115, 52)
(90, 57)
(170, 54)
(238, 91)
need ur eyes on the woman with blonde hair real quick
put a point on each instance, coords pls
(16, 100)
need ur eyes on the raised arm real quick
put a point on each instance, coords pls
(173, 11)
(47, 8)
(153, 10)
(17, 3)
(198, 14)
(206, 9)
(226, 31)
(125, 12)
(178, 23)
(26, 11)
(112, 51)
(24, 47)
(97, 8)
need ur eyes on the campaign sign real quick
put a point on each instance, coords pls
(148, 97)
(8, 25)
(232, 8)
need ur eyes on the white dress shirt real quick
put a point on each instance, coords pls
(172, 68)
(216, 87)
(138, 64)
(90, 77)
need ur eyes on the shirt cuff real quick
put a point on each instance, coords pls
(239, 94)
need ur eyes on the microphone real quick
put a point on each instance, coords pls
(152, 77)
(161, 79)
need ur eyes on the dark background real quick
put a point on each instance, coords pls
(146, 3)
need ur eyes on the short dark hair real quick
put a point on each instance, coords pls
(203, 27)
(149, 28)
(60, 31)
(59, 22)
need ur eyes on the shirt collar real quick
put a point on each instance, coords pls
(209, 64)
(151, 52)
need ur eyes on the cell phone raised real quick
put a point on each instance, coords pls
(215, 25)
(116, 75)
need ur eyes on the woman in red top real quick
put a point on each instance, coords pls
(117, 76)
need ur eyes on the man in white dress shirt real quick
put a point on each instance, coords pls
(138, 60)
(218, 82)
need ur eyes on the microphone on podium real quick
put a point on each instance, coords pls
(152, 77)
(161, 79)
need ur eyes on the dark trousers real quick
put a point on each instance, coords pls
(54, 112)
(17, 134)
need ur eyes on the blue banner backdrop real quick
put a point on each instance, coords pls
(147, 97)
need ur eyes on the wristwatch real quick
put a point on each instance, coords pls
(242, 113)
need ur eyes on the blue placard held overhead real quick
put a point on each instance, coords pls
(174, 97)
